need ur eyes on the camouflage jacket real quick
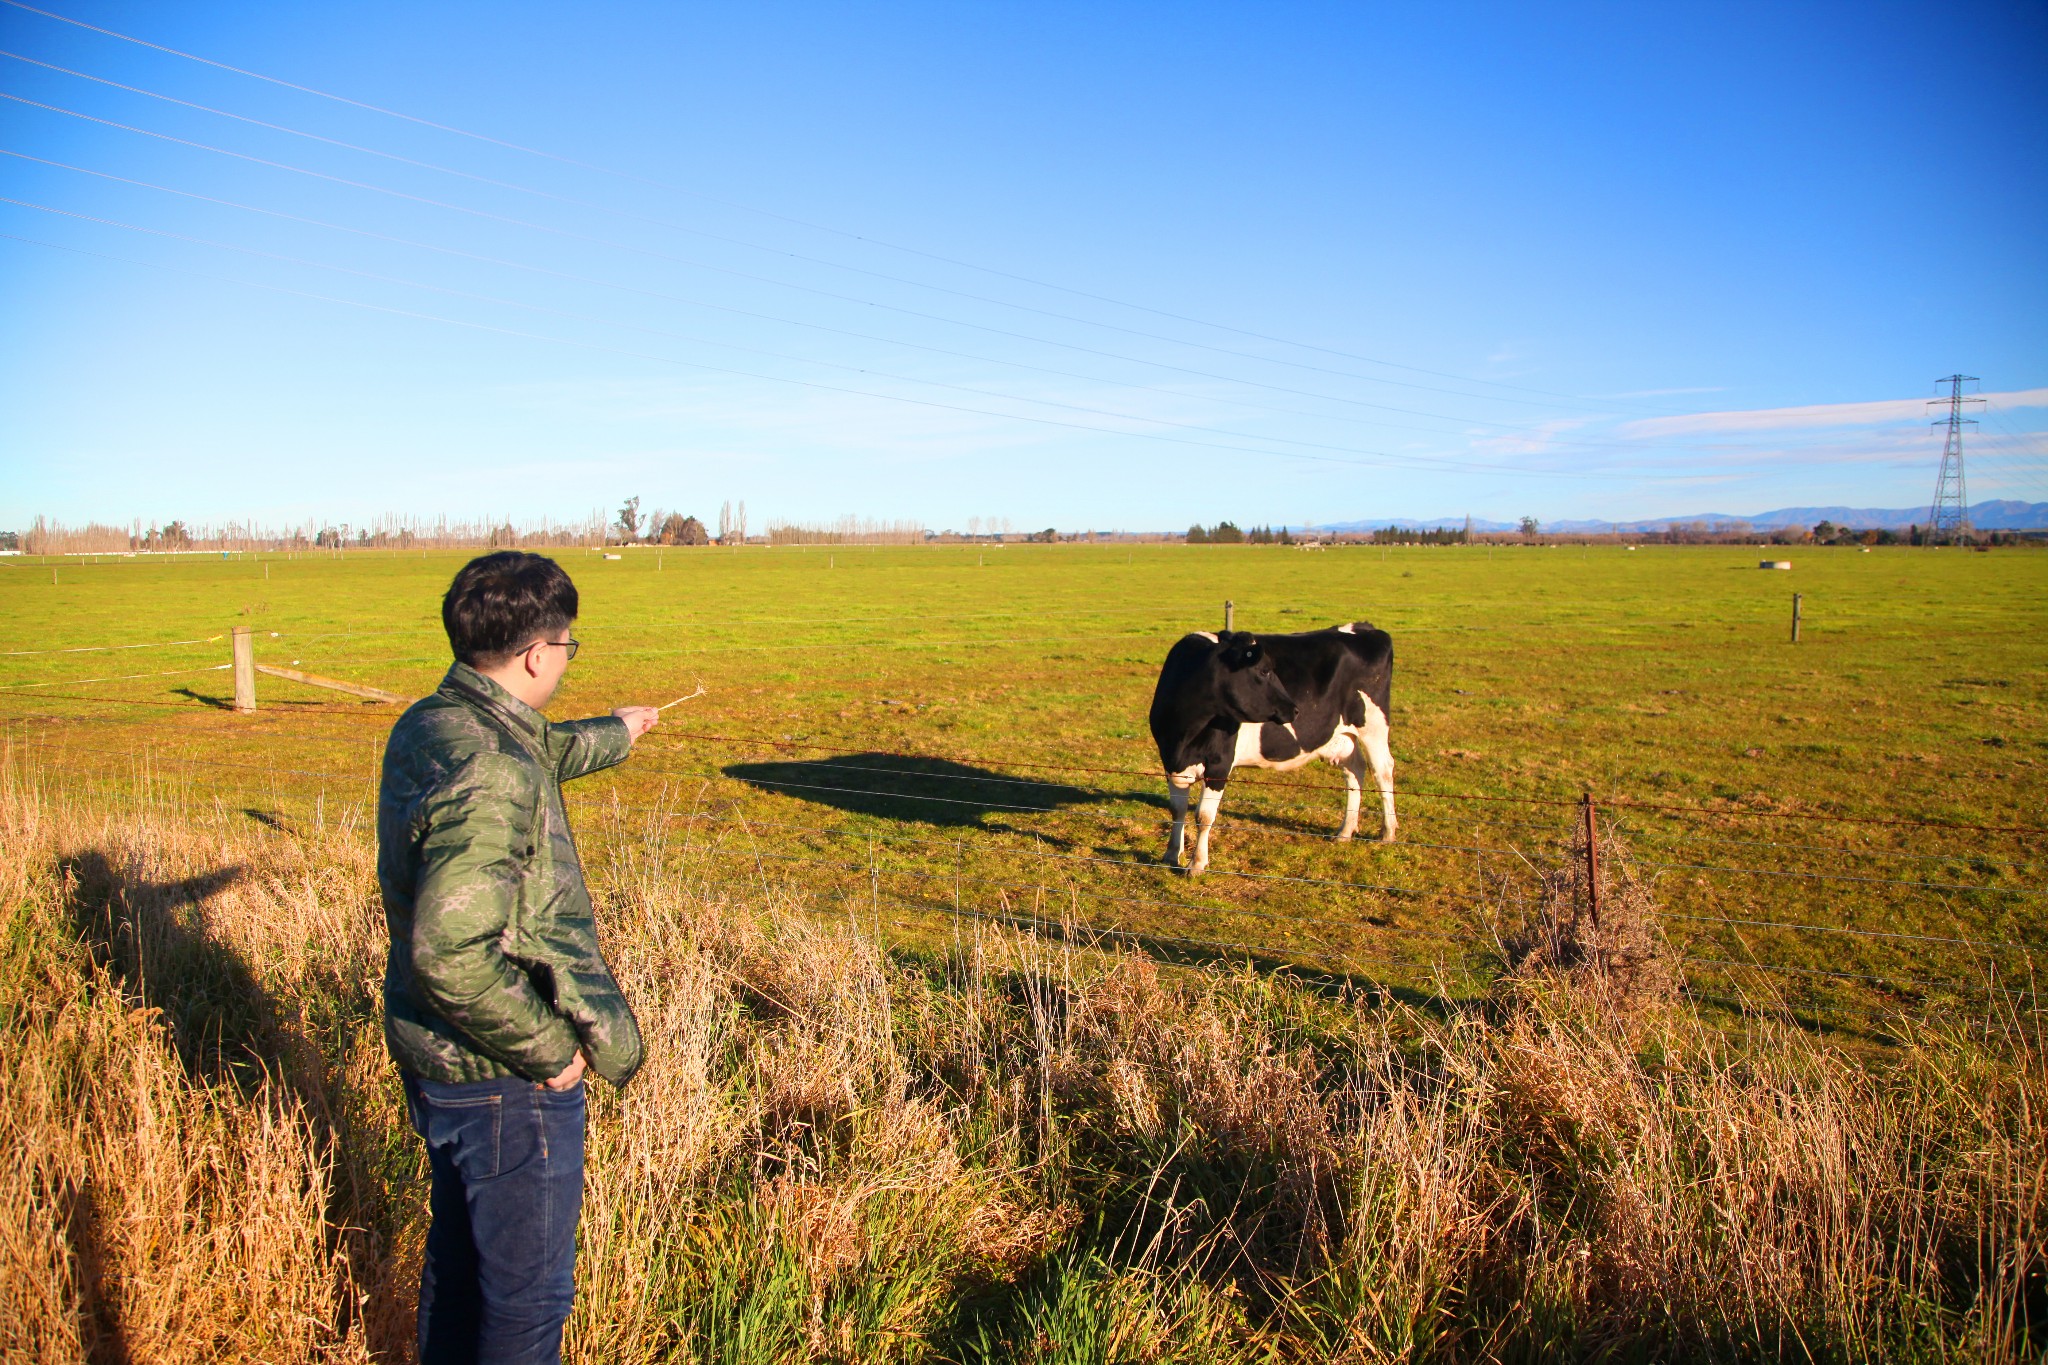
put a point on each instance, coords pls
(494, 966)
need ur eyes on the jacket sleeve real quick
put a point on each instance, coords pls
(478, 831)
(581, 747)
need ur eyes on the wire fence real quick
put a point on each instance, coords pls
(1048, 881)
(1494, 864)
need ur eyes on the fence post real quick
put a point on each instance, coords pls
(245, 670)
(1797, 598)
(1229, 616)
(1592, 862)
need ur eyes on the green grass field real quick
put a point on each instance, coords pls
(1656, 676)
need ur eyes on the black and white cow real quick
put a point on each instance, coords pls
(1273, 701)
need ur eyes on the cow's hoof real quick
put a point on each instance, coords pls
(1197, 869)
(1387, 838)
(1344, 836)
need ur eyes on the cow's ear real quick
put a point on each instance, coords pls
(1244, 651)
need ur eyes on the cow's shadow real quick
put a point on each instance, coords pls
(932, 791)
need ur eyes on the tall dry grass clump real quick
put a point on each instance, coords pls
(1006, 1148)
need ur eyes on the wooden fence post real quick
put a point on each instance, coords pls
(245, 670)
(1592, 862)
(1797, 598)
(1229, 616)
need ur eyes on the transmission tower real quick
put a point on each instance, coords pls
(1949, 516)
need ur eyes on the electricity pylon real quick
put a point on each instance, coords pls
(1948, 518)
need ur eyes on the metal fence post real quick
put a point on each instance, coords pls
(1592, 862)
(245, 670)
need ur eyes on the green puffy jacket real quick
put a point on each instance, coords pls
(494, 967)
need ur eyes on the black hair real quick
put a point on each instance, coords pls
(499, 602)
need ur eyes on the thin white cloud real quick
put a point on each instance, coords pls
(1817, 415)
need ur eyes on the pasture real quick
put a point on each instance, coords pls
(887, 900)
(1019, 678)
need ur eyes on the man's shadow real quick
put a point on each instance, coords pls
(142, 933)
(931, 791)
(227, 1030)
(151, 937)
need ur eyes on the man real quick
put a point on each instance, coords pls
(496, 998)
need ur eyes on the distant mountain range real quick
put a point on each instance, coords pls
(2000, 515)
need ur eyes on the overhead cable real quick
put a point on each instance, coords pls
(859, 237)
(1384, 461)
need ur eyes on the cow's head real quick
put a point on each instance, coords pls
(1247, 687)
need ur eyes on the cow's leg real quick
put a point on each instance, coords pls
(1353, 763)
(1381, 757)
(1205, 816)
(1177, 798)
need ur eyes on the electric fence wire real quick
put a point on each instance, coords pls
(105, 649)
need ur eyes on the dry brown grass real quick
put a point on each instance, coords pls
(1017, 1150)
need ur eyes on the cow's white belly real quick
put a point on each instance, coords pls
(1335, 749)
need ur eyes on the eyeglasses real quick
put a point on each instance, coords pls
(571, 645)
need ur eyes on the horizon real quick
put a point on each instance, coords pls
(2011, 515)
(1128, 267)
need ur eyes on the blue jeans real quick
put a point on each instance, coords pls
(500, 1271)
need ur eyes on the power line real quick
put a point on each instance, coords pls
(800, 288)
(706, 341)
(585, 237)
(743, 242)
(573, 277)
(1385, 461)
(592, 166)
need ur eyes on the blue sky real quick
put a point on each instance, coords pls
(1071, 265)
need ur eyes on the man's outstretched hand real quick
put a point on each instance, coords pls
(639, 719)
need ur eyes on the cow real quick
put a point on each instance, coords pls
(1238, 699)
